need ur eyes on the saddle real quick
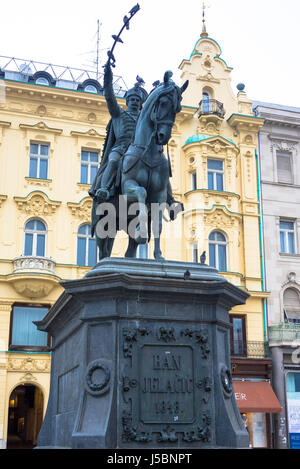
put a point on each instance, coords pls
(135, 154)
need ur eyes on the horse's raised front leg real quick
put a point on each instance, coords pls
(137, 229)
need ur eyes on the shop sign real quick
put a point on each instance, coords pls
(294, 423)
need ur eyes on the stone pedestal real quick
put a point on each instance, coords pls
(141, 359)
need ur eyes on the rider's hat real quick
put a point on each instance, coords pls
(138, 90)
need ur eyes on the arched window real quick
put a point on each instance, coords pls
(291, 304)
(35, 238)
(90, 89)
(42, 81)
(86, 246)
(217, 251)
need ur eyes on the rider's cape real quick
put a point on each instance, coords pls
(109, 142)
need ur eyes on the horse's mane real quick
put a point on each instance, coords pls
(169, 88)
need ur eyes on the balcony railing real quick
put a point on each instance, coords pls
(33, 263)
(211, 106)
(284, 332)
(249, 349)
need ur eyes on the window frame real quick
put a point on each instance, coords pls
(289, 155)
(214, 172)
(35, 234)
(195, 252)
(243, 318)
(87, 237)
(27, 348)
(193, 180)
(286, 237)
(286, 307)
(216, 244)
(38, 157)
(89, 165)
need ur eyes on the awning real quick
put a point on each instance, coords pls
(256, 396)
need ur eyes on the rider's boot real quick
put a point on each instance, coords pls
(174, 206)
(108, 175)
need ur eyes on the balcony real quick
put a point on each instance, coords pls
(33, 263)
(33, 276)
(211, 107)
(286, 332)
(249, 349)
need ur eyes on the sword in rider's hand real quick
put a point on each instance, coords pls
(111, 59)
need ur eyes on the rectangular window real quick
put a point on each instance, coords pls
(215, 175)
(284, 167)
(24, 334)
(195, 252)
(287, 237)
(193, 180)
(89, 166)
(38, 160)
(238, 335)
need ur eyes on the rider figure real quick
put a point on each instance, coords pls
(120, 133)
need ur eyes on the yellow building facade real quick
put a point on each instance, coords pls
(50, 140)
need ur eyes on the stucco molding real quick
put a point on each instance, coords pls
(41, 126)
(82, 209)
(220, 217)
(36, 204)
(29, 365)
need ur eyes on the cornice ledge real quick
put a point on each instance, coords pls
(236, 119)
(89, 133)
(40, 126)
(5, 124)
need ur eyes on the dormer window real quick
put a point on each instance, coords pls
(90, 89)
(42, 81)
(42, 78)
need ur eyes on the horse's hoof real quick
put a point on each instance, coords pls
(158, 257)
(102, 194)
(139, 240)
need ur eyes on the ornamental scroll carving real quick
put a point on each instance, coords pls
(36, 204)
(81, 210)
(29, 365)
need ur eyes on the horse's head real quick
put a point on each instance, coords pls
(166, 99)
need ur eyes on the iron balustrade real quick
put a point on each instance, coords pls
(211, 106)
(284, 332)
(249, 349)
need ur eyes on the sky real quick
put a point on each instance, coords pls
(259, 38)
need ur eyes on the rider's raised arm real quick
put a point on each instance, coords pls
(113, 107)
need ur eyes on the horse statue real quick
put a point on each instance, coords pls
(144, 174)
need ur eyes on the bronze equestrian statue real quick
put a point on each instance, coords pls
(142, 172)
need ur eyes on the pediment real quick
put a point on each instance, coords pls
(36, 203)
(215, 141)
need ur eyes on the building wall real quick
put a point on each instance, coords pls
(280, 201)
(70, 121)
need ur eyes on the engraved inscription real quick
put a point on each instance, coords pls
(166, 384)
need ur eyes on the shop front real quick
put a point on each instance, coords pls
(293, 407)
(256, 400)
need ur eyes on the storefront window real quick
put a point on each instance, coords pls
(257, 428)
(293, 400)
